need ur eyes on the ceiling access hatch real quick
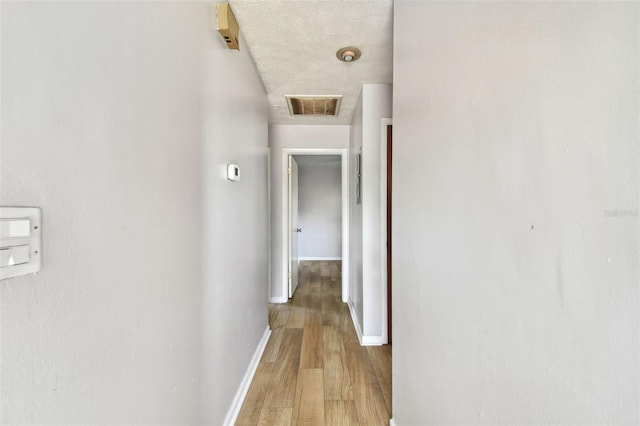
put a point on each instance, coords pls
(314, 105)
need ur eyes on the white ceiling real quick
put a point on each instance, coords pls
(294, 45)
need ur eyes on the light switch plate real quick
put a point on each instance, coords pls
(20, 241)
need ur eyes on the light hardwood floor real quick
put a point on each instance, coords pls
(313, 370)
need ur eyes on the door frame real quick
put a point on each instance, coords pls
(290, 280)
(344, 154)
(384, 122)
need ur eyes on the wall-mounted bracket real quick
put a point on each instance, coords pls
(227, 25)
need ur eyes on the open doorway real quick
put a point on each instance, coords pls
(322, 232)
(318, 220)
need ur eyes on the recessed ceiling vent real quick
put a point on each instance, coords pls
(314, 105)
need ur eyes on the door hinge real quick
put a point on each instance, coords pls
(289, 170)
(289, 274)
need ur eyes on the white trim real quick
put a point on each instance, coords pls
(290, 162)
(285, 223)
(269, 255)
(320, 258)
(371, 341)
(278, 299)
(241, 393)
(384, 122)
(392, 422)
(345, 225)
(354, 320)
(344, 153)
(363, 339)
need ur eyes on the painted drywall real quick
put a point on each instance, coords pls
(320, 212)
(355, 219)
(112, 125)
(516, 185)
(292, 136)
(374, 104)
(235, 225)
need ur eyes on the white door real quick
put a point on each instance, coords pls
(293, 225)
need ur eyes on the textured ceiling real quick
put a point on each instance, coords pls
(294, 45)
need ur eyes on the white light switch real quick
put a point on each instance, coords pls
(15, 228)
(14, 256)
(20, 241)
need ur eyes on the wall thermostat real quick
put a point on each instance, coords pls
(233, 172)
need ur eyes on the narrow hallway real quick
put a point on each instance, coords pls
(313, 370)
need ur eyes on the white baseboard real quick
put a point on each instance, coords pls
(363, 339)
(238, 399)
(319, 258)
(392, 422)
(354, 319)
(278, 299)
(371, 341)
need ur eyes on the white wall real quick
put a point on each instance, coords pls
(108, 119)
(235, 226)
(368, 285)
(355, 219)
(515, 268)
(320, 212)
(292, 136)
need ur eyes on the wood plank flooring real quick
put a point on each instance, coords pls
(313, 370)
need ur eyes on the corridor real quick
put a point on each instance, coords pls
(313, 370)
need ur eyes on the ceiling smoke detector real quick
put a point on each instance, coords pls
(348, 54)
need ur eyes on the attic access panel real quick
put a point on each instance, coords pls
(314, 105)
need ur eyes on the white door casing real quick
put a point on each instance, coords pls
(286, 231)
(293, 225)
